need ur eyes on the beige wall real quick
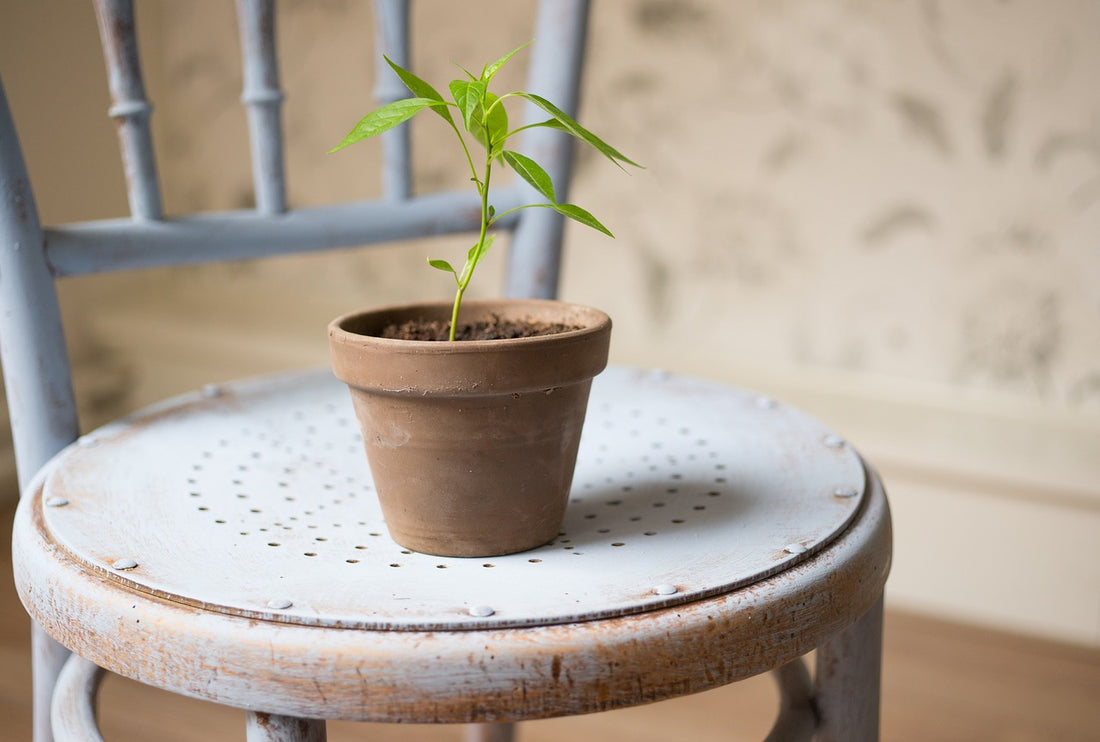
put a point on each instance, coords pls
(888, 213)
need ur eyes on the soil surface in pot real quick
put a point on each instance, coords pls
(491, 328)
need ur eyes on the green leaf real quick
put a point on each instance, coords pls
(421, 89)
(531, 172)
(474, 256)
(490, 132)
(567, 123)
(384, 119)
(442, 265)
(576, 213)
(491, 69)
(468, 96)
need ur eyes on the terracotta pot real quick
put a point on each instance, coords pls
(471, 444)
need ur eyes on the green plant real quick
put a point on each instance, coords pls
(485, 120)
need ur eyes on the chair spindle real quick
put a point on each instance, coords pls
(557, 58)
(391, 31)
(129, 106)
(263, 98)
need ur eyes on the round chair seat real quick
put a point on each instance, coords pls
(228, 545)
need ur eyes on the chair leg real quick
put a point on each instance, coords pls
(73, 710)
(796, 720)
(490, 732)
(848, 681)
(274, 728)
(47, 659)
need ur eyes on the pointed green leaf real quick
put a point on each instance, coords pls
(421, 89)
(491, 69)
(384, 119)
(576, 213)
(490, 132)
(486, 245)
(531, 172)
(441, 265)
(567, 123)
(468, 96)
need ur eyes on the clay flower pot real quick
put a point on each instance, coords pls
(471, 444)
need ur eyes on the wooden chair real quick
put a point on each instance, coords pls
(225, 545)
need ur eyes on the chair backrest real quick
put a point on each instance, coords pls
(36, 366)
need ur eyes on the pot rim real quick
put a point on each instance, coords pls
(472, 367)
(598, 321)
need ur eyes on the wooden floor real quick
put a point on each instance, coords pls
(942, 682)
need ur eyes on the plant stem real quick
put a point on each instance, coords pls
(483, 188)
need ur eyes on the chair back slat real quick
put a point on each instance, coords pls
(391, 37)
(40, 396)
(129, 106)
(263, 99)
(123, 244)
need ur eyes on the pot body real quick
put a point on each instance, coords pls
(471, 444)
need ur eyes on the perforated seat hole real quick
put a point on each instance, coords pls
(311, 553)
(535, 561)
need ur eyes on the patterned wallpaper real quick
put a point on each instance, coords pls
(905, 188)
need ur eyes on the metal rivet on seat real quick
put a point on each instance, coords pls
(795, 548)
(666, 590)
(766, 403)
(279, 604)
(481, 611)
(56, 502)
(834, 441)
(210, 391)
(845, 492)
(122, 564)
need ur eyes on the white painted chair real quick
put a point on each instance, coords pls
(225, 545)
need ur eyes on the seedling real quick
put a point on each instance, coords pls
(484, 119)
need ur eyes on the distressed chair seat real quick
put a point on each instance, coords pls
(227, 545)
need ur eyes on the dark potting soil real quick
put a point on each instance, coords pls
(492, 328)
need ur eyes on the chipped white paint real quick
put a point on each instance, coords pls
(263, 494)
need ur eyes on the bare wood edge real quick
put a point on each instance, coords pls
(464, 676)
